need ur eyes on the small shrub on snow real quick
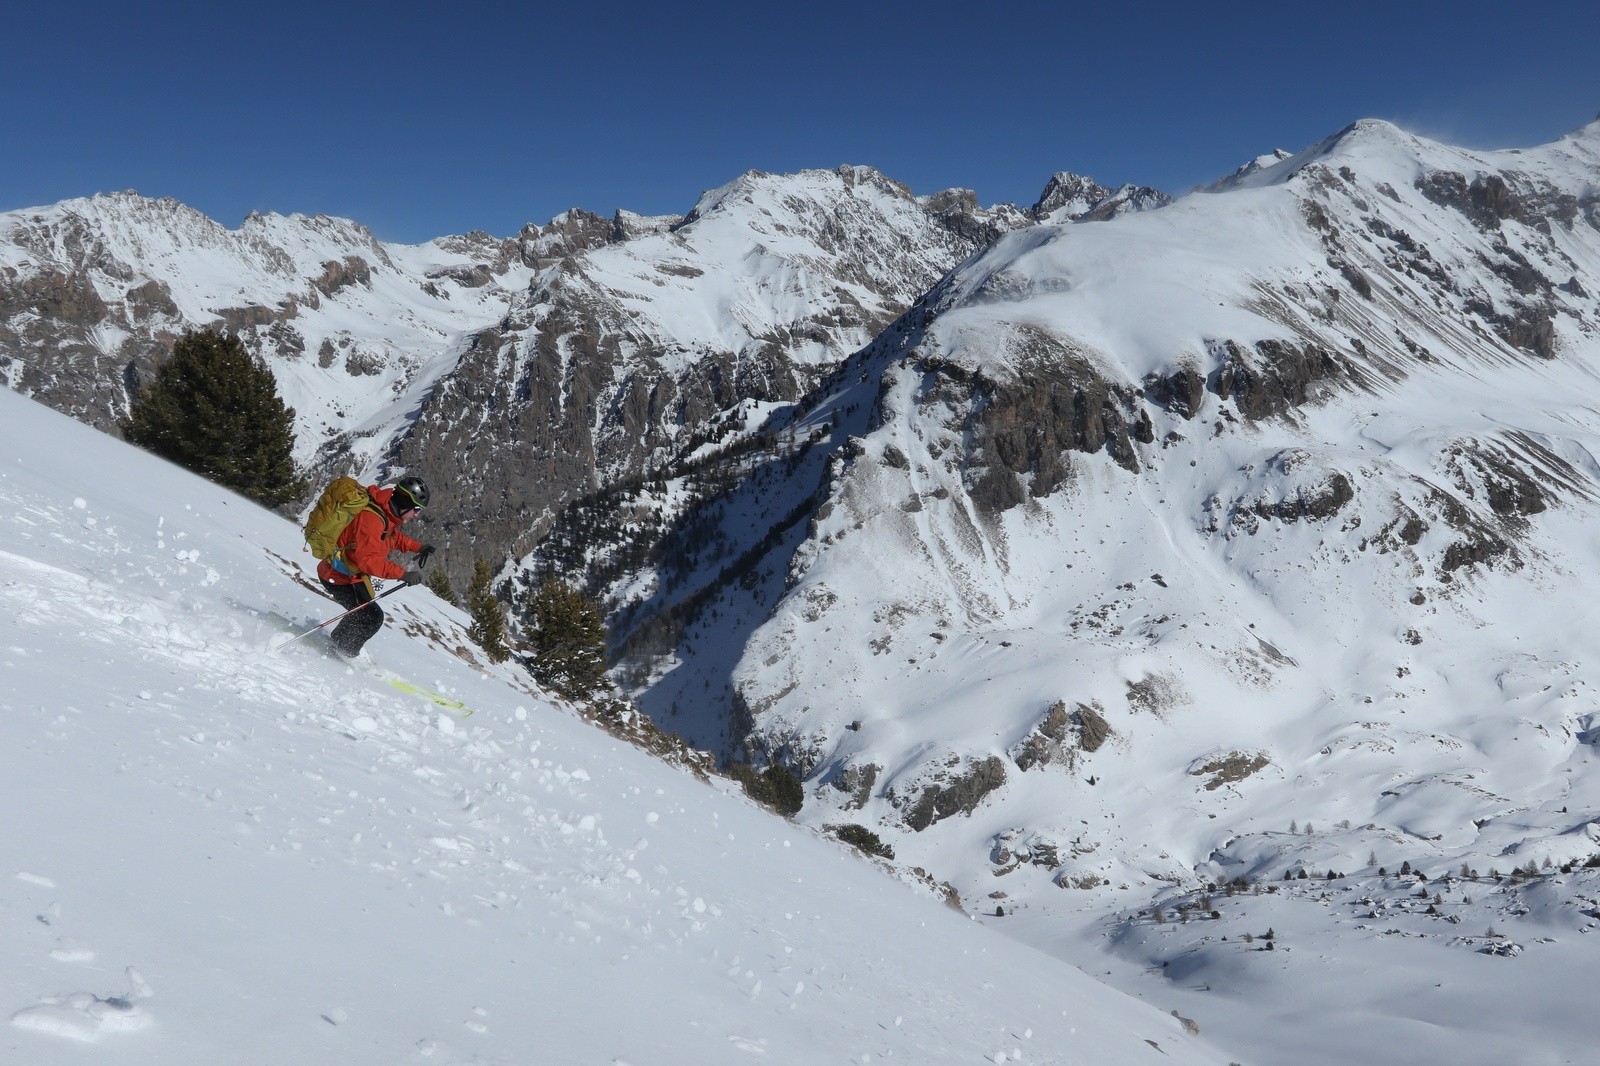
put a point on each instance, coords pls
(776, 787)
(862, 839)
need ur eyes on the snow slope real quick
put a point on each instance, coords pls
(215, 853)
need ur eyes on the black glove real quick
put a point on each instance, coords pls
(424, 555)
(413, 577)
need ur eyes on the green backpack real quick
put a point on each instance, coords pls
(341, 501)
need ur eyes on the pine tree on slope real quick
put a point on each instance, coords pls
(568, 644)
(439, 584)
(488, 614)
(215, 410)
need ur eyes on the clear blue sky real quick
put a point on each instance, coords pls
(421, 119)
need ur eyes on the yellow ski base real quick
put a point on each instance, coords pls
(428, 694)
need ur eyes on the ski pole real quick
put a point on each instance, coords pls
(336, 617)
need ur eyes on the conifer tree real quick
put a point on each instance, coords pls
(568, 646)
(439, 585)
(488, 614)
(215, 410)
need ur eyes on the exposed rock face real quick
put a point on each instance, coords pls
(57, 312)
(341, 274)
(1486, 200)
(1069, 192)
(1048, 741)
(1274, 379)
(958, 211)
(1025, 427)
(857, 782)
(1093, 729)
(1063, 734)
(1228, 767)
(1181, 390)
(952, 793)
(506, 452)
(575, 232)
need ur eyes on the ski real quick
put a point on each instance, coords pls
(448, 702)
(389, 677)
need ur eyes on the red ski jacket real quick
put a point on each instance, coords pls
(366, 542)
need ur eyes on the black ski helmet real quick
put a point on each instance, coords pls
(410, 494)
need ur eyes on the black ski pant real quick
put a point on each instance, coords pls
(356, 629)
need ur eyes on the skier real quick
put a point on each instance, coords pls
(363, 554)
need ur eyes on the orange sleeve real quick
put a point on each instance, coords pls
(367, 550)
(404, 543)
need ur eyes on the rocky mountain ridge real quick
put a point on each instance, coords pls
(623, 357)
(384, 350)
(92, 291)
(636, 354)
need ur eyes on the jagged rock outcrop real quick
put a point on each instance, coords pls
(1276, 378)
(857, 783)
(957, 790)
(1048, 742)
(1069, 197)
(1227, 768)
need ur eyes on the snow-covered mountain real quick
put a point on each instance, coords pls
(623, 357)
(514, 373)
(1133, 545)
(92, 292)
(216, 852)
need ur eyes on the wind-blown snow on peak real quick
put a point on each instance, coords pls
(1581, 144)
(235, 854)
